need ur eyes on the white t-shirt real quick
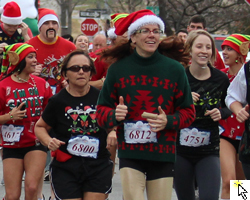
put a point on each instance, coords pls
(237, 90)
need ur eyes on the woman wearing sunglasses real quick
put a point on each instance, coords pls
(81, 168)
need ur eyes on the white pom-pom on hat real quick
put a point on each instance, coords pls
(111, 33)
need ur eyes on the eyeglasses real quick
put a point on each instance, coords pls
(146, 31)
(76, 68)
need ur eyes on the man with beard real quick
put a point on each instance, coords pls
(51, 49)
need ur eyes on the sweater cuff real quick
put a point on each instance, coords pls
(114, 121)
(170, 119)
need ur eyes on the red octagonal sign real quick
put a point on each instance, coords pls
(89, 27)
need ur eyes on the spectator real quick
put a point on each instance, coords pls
(99, 42)
(82, 42)
(68, 37)
(199, 22)
(101, 32)
(182, 34)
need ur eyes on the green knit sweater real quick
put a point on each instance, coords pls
(145, 84)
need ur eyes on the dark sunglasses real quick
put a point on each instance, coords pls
(76, 68)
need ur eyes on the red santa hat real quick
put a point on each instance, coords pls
(248, 2)
(11, 13)
(45, 15)
(136, 20)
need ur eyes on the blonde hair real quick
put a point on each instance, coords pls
(192, 37)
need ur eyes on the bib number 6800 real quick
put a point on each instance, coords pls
(83, 148)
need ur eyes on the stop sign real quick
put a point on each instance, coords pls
(89, 27)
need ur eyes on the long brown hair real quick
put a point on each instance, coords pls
(117, 52)
(192, 37)
(172, 47)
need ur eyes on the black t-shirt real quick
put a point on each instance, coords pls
(212, 93)
(71, 116)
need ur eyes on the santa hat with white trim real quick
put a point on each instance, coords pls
(115, 21)
(45, 15)
(11, 13)
(136, 20)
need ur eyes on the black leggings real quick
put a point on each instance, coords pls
(246, 169)
(207, 173)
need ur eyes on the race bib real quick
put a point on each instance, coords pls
(221, 129)
(139, 132)
(53, 88)
(85, 146)
(238, 137)
(11, 133)
(193, 137)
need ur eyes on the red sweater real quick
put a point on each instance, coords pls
(51, 55)
(36, 99)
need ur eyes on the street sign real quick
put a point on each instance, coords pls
(103, 11)
(89, 27)
(90, 14)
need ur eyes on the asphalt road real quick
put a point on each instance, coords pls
(115, 195)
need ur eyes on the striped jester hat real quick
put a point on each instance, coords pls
(239, 42)
(13, 55)
(116, 19)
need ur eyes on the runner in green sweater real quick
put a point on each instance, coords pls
(144, 80)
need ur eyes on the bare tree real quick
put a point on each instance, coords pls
(67, 7)
(219, 14)
(126, 6)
